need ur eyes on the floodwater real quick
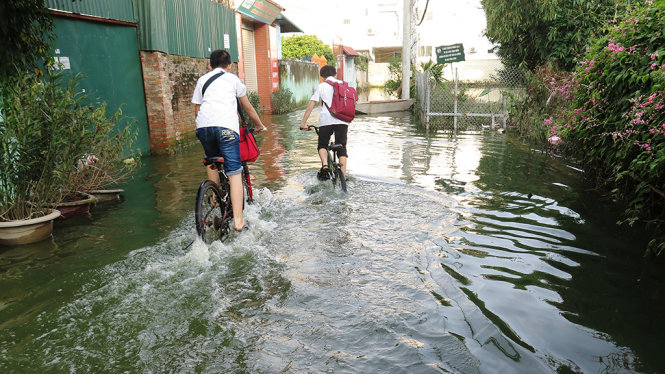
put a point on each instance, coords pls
(451, 253)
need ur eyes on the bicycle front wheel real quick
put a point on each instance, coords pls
(211, 213)
(342, 180)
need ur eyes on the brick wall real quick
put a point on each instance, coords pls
(169, 82)
(263, 70)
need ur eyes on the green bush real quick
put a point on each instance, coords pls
(361, 63)
(282, 101)
(255, 100)
(547, 94)
(617, 119)
(46, 134)
(25, 35)
(394, 84)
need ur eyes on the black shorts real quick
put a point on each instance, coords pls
(325, 132)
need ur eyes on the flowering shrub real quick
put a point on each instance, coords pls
(617, 117)
(539, 112)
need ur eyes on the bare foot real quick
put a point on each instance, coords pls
(243, 227)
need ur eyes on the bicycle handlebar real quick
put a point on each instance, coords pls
(310, 127)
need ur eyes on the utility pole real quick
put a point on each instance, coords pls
(406, 50)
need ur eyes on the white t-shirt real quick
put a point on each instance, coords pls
(218, 106)
(324, 92)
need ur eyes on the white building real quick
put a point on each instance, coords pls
(375, 27)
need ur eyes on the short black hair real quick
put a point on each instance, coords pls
(219, 58)
(328, 71)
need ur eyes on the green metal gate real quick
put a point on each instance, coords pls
(107, 54)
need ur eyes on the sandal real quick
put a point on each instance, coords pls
(324, 173)
(244, 228)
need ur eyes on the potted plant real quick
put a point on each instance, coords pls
(106, 163)
(103, 164)
(46, 129)
(34, 155)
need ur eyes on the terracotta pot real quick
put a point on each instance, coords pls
(107, 195)
(27, 230)
(72, 208)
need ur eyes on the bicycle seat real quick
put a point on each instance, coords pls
(336, 147)
(213, 160)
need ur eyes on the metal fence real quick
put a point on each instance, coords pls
(468, 103)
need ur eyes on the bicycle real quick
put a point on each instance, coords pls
(335, 172)
(213, 213)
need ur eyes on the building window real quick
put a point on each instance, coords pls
(425, 51)
(347, 21)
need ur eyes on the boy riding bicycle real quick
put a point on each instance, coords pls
(327, 123)
(217, 125)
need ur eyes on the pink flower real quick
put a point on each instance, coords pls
(554, 140)
(615, 48)
(548, 121)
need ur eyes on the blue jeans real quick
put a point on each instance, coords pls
(220, 141)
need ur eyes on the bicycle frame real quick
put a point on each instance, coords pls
(334, 167)
(214, 210)
(246, 180)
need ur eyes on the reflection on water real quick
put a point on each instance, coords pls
(451, 253)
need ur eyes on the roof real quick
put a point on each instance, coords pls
(285, 24)
(349, 51)
(275, 4)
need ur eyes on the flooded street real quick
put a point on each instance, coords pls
(451, 253)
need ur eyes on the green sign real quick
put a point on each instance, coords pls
(449, 53)
(261, 10)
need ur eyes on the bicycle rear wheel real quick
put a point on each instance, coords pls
(342, 180)
(212, 213)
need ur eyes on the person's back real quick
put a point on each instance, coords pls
(328, 124)
(217, 125)
(218, 105)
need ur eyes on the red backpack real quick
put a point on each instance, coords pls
(344, 101)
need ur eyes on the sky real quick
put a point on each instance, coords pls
(455, 21)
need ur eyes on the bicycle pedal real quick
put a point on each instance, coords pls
(217, 222)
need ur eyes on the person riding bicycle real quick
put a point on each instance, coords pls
(217, 125)
(327, 123)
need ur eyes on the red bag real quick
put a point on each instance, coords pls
(249, 151)
(344, 101)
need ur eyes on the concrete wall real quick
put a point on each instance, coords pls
(378, 73)
(301, 77)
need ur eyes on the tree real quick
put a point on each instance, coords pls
(536, 32)
(394, 84)
(26, 32)
(306, 46)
